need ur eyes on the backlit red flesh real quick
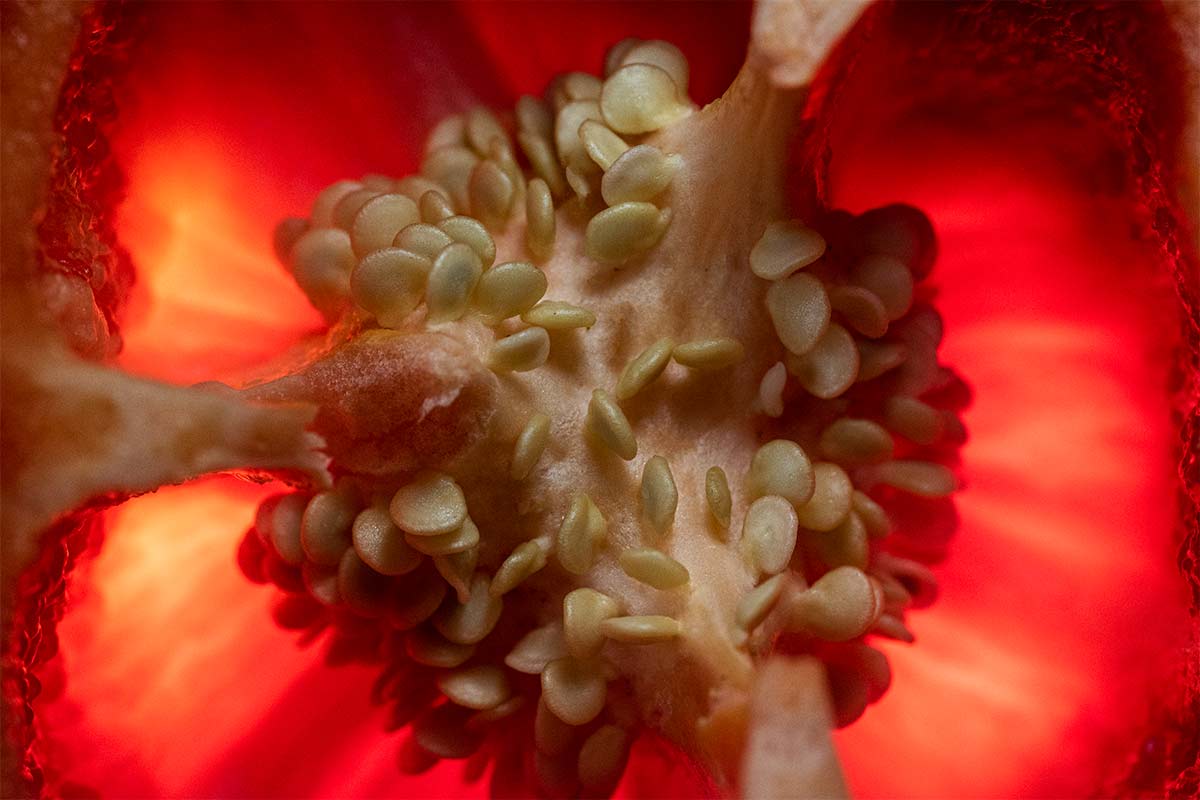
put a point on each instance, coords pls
(1032, 674)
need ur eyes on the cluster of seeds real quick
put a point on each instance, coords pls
(423, 245)
(856, 409)
(857, 336)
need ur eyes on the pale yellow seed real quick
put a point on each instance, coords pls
(843, 604)
(458, 569)
(916, 580)
(322, 583)
(438, 733)
(566, 132)
(452, 281)
(830, 501)
(659, 495)
(922, 478)
(800, 311)
(427, 647)
(889, 280)
(423, 239)
(521, 352)
(361, 589)
(861, 309)
(579, 535)
(325, 528)
(529, 446)
(856, 442)
(614, 58)
(894, 592)
(390, 284)
(509, 289)
(537, 649)
(784, 248)
(664, 55)
(574, 690)
(471, 232)
(555, 315)
(348, 207)
(645, 368)
(770, 390)
(452, 167)
(874, 518)
(556, 93)
(640, 174)
(640, 98)
(583, 176)
(830, 367)
(415, 187)
(378, 182)
(483, 129)
(491, 192)
(597, 524)
(540, 152)
(525, 560)
(579, 86)
(781, 467)
(625, 231)
(602, 760)
(845, 545)
(602, 145)
(916, 421)
(321, 262)
(533, 116)
(380, 544)
(583, 611)
(876, 358)
(322, 208)
(430, 505)
(280, 524)
(285, 235)
(654, 568)
(769, 533)
(539, 220)
(650, 629)
(450, 131)
(709, 354)
(482, 719)
(758, 602)
(472, 621)
(608, 423)
(716, 491)
(502, 155)
(920, 372)
(418, 598)
(379, 220)
(480, 687)
(894, 628)
(462, 538)
(551, 736)
(435, 207)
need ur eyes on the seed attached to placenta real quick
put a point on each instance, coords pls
(600, 428)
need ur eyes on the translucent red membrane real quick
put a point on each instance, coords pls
(1060, 607)
(1030, 672)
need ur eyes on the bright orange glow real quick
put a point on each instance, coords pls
(212, 298)
(180, 684)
